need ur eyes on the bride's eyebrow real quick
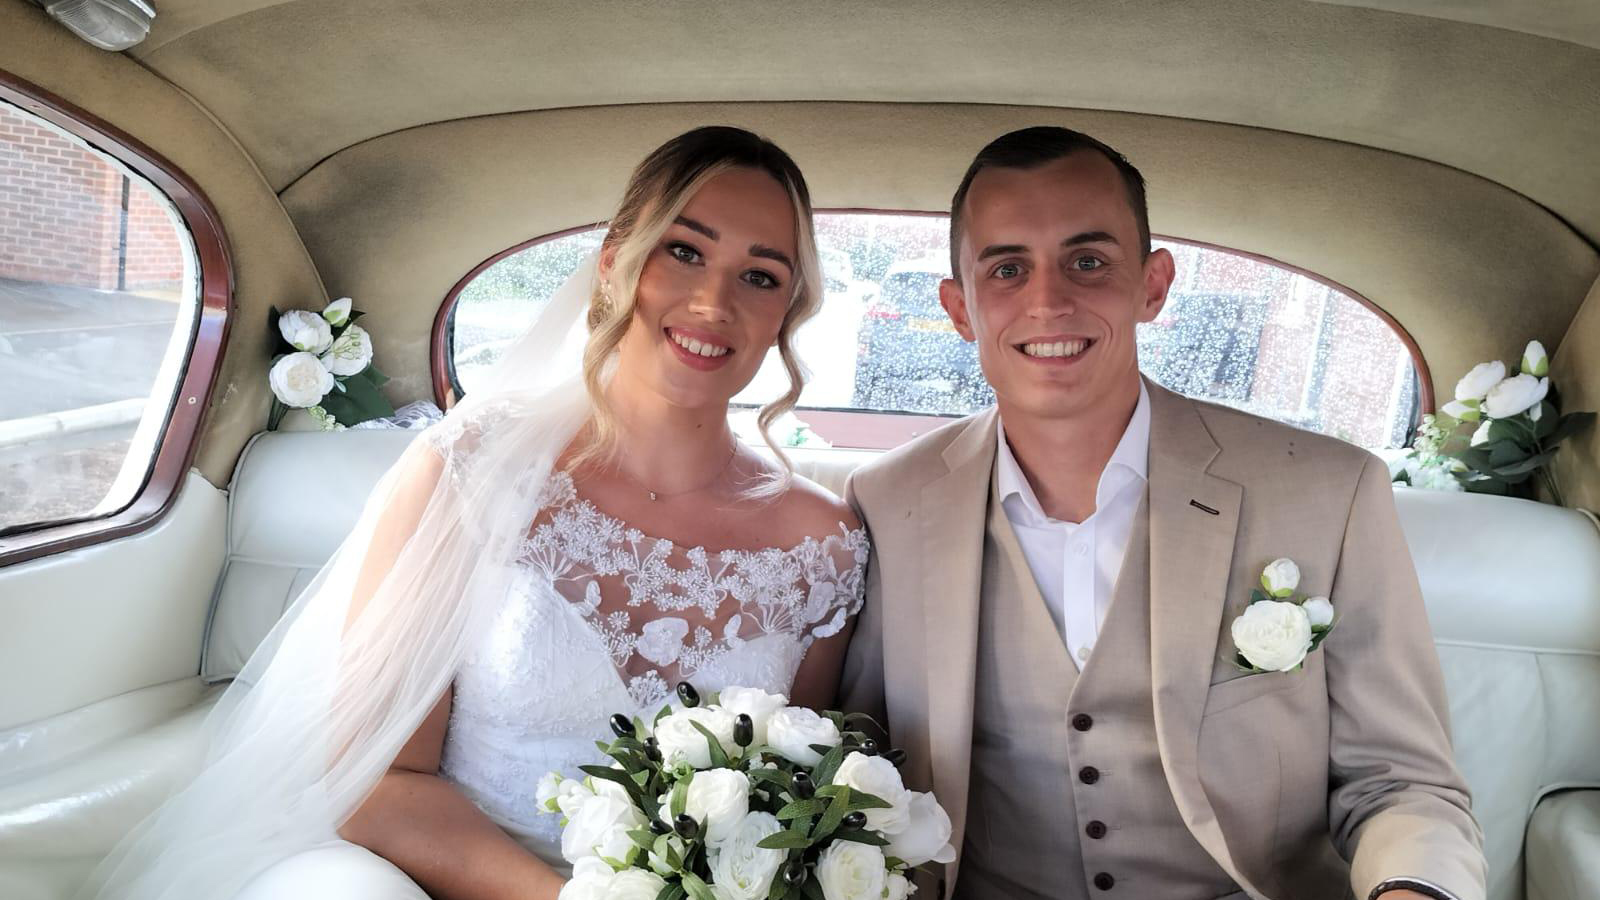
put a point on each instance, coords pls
(755, 249)
(700, 227)
(769, 253)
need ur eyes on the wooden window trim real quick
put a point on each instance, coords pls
(875, 428)
(181, 432)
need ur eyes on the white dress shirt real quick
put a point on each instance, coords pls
(1076, 565)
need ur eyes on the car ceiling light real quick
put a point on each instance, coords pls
(107, 24)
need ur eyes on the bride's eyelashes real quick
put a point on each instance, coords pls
(688, 255)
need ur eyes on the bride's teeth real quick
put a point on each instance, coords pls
(697, 348)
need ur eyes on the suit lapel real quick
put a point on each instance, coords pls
(953, 517)
(1193, 519)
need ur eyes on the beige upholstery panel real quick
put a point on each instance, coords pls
(300, 81)
(89, 624)
(1575, 369)
(396, 221)
(270, 264)
(1577, 21)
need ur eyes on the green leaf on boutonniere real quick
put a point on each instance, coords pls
(1259, 596)
(1570, 424)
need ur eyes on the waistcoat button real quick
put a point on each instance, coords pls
(1096, 829)
(1083, 721)
(1088, 774)
(1104, 881)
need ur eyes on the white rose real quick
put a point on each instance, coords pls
(597, 820)
(338, 312)
(549, 789)
(1475, 385)
(1481, 436)
(617, 845)
(681, 741)
(1535, 361)
(1465, 410)
(755, 703)
(1281, 577)
(898, 887)
(740, 869)
(1515, 395)
(851, 871)
(635, 884)
(877, 776)
(926, 836)
(299, 380)
(792, 730)
(1319, 610)
(718, 799)
(351, 353)
(1274, 635)
(305, 331)
(571, 797)
(590, 878)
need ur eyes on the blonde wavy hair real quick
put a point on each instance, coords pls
(656, 194)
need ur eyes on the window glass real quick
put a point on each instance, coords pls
(99, 301)
(1235, 330)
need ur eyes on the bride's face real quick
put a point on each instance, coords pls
(713, 293)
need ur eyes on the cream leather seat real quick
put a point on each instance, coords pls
(1513, 593)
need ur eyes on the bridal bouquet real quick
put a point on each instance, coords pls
(1516, 426)
(323, 365)
(743, 798)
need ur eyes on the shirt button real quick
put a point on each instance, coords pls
(1080, 550)
(1104, 881)
(1096, 829)
(1083, 653)
(1083, 721)
(1088, 774)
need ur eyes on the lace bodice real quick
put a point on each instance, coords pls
(602, 618)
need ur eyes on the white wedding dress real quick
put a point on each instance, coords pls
(600, 619)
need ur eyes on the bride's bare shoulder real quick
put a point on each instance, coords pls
(814, 511)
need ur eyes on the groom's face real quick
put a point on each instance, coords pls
(1053, 282)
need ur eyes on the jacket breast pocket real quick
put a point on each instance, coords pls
(1226, 695)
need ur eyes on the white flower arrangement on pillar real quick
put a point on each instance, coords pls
(323, 364)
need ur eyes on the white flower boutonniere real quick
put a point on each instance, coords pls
(1277, 631)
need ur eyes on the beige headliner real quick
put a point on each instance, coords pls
(298, 81)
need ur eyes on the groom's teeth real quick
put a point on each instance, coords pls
(1057, 349)
(698, 348)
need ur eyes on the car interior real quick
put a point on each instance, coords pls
(1366, 197)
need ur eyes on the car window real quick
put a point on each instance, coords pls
(99, 301)
(1236, 330)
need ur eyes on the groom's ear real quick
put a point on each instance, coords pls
(1159, 270)
(954, 301)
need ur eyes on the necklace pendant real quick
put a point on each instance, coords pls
(652, 494)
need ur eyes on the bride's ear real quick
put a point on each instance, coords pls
(608, 259)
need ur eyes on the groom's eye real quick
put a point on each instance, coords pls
(1088, 263)
(1006, 270)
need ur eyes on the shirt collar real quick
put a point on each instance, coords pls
(1129, 463)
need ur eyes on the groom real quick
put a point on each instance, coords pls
(1047, 627)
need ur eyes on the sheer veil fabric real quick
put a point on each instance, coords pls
(313, 721)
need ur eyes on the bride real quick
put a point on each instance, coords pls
(556, 550)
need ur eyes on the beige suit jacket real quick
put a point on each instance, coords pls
(1272, 773)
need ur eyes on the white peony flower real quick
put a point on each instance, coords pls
(852, 871)
(596, 824)
(1274, 635)
(740, 869)
(616, 844)
(681, 741)
(305, 331)
(1535, 361)
(1481, 436)
(1465, 410)
(571, 797)
(1281, 577)
(635, 884)
(926, 836)
(1475, 384)
(718, 799)
(1319, 610)
(877, 776)
(898, 887)
(757, 704)
(792, 730)
(350, 353)
(590, 878)
(338, 312)
(549, 789)
(299, 380)
(1515, 395)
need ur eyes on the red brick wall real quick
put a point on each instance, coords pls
(61, 215)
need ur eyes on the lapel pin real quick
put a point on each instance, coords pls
(1203, 508)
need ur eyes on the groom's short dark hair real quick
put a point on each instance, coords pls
(1028, 148)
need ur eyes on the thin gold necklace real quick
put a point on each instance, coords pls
(657, 495)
